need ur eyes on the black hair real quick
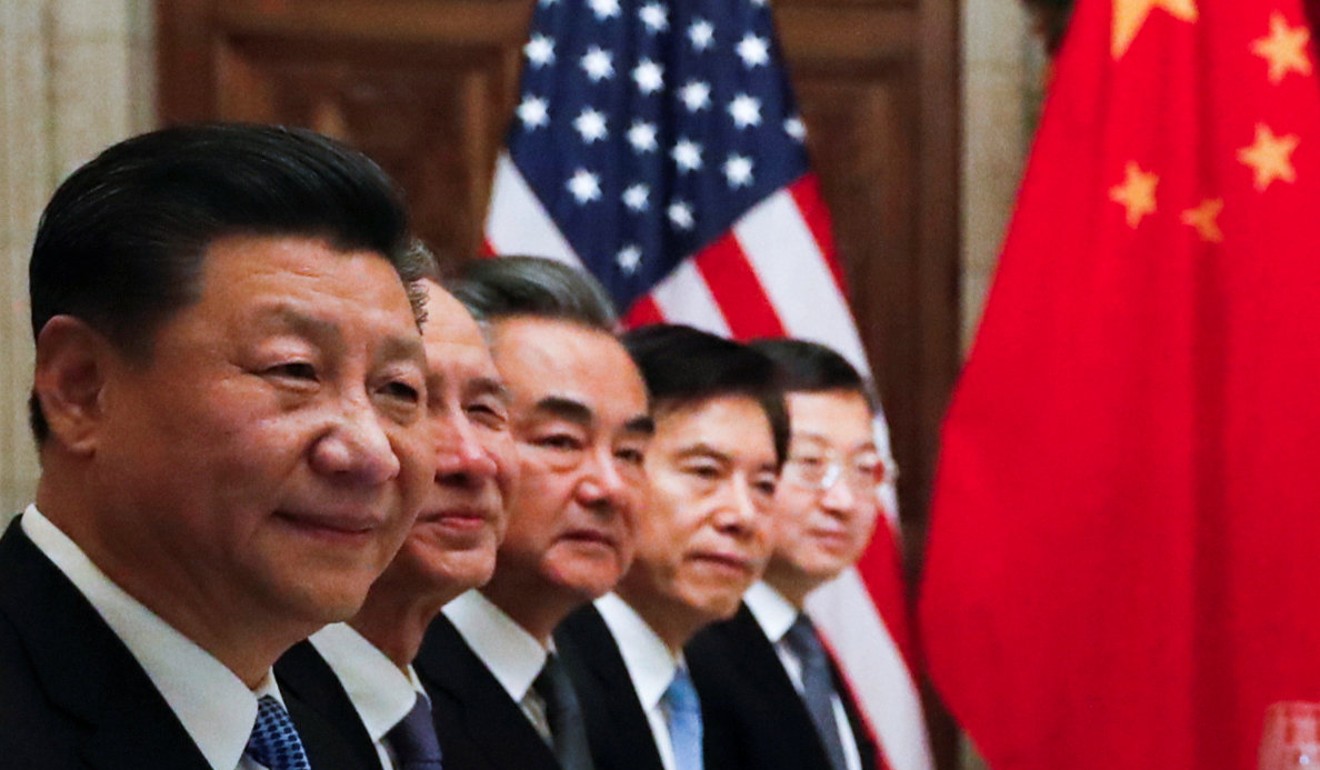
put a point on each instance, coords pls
(809, 367)
(682, 365)
(492, 289)
(123, 241)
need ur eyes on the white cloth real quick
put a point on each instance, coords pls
(513, 656)
(214, 705)
(650, 665)
(381, 692)
(775, 614)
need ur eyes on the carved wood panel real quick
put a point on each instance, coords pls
(427, 87)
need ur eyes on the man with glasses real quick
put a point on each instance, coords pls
(768, 687)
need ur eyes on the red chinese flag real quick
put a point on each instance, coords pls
(1124, 562)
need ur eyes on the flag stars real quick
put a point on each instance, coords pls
(1136, 194)
(745, 111)
(738, 171)
(590, 124)
(641, 135)
(584, 186)
(702, 34)
(636, 197)
(1205, 220)
(534, 112)
(540, 51)
(655, 17)
(795, 128)
(1130, 15)
(1270, 157)
(598, 64)
(680, 215)
(687, 154)
(695, 95)
(1284, 48)
(604, 9)
(629, 258)
(754, 51)
(649, 76)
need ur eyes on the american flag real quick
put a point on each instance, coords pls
(657, 144)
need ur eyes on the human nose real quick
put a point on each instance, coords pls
(356, 446)
(839, 493)
(460, 452)
(740, 513)
(602, 484)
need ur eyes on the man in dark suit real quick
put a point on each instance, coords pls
(578, 410)
(720, 437)
(773, 693)
(228, 402)
(359, 674)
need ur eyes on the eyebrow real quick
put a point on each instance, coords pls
(492, 385)
(868, 445)
(329, 335)
(565, 409)
(641, 424)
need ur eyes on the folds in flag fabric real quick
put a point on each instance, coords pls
(1122, 568)
(656, 143)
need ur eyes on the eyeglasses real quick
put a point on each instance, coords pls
(818, 472)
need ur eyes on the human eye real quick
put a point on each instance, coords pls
(488, 412)
(869, 466)
(765, 484)
(559, 441)
(292, 370)
(706, 470)
(630, 455)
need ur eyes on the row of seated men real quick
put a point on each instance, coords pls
(307, 503)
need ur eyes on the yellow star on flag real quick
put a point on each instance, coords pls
(1129, 15)
(1136, 194)
(1205, 219)
(1284, 48)
(1270, 157)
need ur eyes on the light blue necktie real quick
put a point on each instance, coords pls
(274, 742)
(817, 686)
(683, 714)
(413, 738)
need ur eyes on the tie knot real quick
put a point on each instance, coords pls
(680, 695)
(802, 639)
(274, 742)
(413, 738)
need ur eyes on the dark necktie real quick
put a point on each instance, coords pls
(683, 717)
(413, 739)
(274, 741)
(817, 686)
(568, 734)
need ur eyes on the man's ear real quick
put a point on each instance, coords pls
(70, 380)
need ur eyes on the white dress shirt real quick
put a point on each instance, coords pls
(513, 656)
(650, 665)
(775, 615)
(214, 705)
(381, 692)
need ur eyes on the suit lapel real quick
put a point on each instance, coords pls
(470, 706)
(85, 669)
(620, 734)
(305, 677)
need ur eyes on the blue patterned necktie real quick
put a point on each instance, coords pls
(683, 715)
(817, 686)
(274, 742)
(413, 739)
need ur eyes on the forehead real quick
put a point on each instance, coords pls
(838, 417)
(239, 272)
(453, 339)
(542, 358)
(734, 426)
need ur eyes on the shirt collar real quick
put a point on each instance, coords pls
(649, 662)
(772, 611)
(513, 656)
(381, 692)
(214, 705)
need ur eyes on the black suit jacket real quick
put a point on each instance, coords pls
(479, 726)
(73, 696)
(303, 674)
(750, 706)
(617, 729)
